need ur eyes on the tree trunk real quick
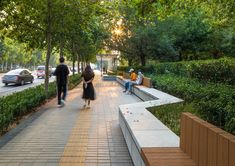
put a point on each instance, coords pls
(82, 63)
(142, 60)
(78, 60)
(180, 56)
(74, 65)
(73, 56)
(6, 66)
(216, 54)
(61, 48)
(130, 62)
(48, 39)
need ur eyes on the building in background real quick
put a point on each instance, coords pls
(107, 62)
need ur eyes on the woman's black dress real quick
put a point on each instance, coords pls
(89, 91)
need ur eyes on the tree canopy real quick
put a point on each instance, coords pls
(140, 30)
(174, 30)
(69, 26)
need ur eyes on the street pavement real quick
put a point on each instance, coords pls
(71, 135)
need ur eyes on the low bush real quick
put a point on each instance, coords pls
(170, 114)
(74, 80)
(216, 71)
(213, 102)
(15, 105)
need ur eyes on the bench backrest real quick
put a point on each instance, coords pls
(147, 82)
(205, 143)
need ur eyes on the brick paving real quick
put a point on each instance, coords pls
(71, 135)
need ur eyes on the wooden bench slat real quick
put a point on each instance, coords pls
(173, 163)
(167, 156)
(202, 145)
(231, 152)
(213, 134)
(183, 131)
(223, 149)
(161, 150)
(157, 156)
(195, 141)
(188, 136)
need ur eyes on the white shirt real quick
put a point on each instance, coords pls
(139, 79)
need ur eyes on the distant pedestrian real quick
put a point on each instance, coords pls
(88, 88)
(61, 73)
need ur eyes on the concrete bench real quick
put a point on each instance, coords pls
(141, 129)
(151, 143)
(201, 144)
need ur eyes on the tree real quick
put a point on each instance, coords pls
(49, 24)
(32, 22)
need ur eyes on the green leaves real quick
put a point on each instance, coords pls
(214, 102)
(176, 30)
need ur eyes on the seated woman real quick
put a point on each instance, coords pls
(138, 81)
(132, 78)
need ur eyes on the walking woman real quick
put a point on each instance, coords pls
(88, 88)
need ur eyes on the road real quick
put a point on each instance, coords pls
(11, 88)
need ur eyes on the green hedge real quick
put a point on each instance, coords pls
(170, 114)
(214, 102)
(74, 80)
(14, 106)
(216, 71)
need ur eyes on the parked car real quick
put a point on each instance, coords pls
(18, 76)
(41, 71)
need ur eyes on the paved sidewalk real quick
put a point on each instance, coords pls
(71, 135)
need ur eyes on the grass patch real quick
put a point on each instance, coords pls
(170, 114)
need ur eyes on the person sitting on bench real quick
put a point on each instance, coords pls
(132, 78)
(138, 81)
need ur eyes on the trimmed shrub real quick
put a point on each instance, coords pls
(170, 114)
(74, 80)
(216, 71)
(214, 102)
(17, 104)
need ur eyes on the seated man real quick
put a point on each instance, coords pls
(132, 78)
(138, 81)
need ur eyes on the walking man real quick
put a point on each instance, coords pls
(61, 74)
